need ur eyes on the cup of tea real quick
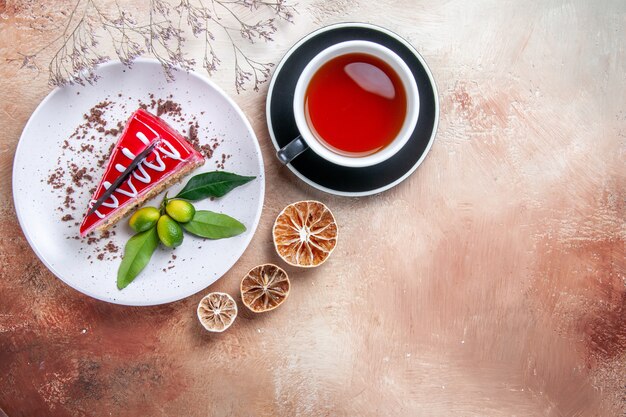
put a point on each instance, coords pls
(356, 104)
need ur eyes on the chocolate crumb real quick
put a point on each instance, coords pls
(67, 203)
(111, 247)
(79, 175)
(168, 107)
(56, 178)
(207, 149)
(94, 117)
(86, 147)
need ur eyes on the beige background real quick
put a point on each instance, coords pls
(491, 282)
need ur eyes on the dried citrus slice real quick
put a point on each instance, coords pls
(264, 288)
(305, 233)
(217, 311)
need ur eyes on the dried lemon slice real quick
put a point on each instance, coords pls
(217, 311)
(264, 288)
(305, 233)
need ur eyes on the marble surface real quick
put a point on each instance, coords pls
(490, 283)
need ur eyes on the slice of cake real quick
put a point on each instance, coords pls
(170, 160)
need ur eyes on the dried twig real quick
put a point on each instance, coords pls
(161, 35)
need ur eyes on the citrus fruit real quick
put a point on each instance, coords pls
(264, 288)
(217, 311)
(180, 210)
(144, 219)
(305, 233)
(170, 233)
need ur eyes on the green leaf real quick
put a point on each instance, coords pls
(137, 254)
(211, 184)
(213, 225)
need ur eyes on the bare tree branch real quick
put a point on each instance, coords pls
(161, 35)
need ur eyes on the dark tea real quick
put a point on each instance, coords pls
(355, 104)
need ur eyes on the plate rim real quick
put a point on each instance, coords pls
(19, 150)
(432, 83)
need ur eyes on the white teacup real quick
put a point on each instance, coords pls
(308, 139)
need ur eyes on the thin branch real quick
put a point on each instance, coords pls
(161, 36)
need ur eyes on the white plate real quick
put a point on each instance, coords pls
(198, 262)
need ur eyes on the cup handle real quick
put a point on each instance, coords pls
(294, 148)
